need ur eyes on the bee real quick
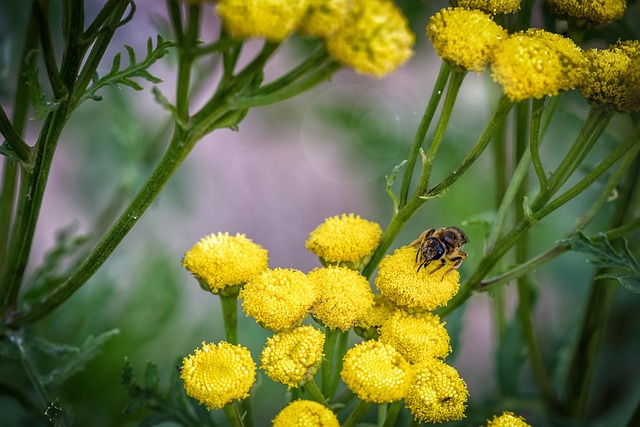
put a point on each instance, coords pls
(440, 245)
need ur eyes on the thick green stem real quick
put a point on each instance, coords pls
(230, 315)
(331, 336)
(22, 150)
(392, 414)
(343, 339)
(233, 414)
(315, 391)
(358, 412)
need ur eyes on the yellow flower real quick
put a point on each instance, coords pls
(293, 357)
(527, 66)
(416, 336)
(382, 308)
(426, 289)
(272, 19)
(305, 413)
(589, 12)
(220, 260)
(376, 372)
(493, 7)
(343, 297)
(612, 78)
(278, 299)
(374, 39)
(218, 374)
(507, 419)
(449, 31)
(345, 240)
(438, 394)
(324, 17)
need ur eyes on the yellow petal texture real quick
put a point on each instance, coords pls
(344, 239)
(343, 297)
(376, 372)
(416, 336)
(596, 12)
(374, 39)
(218, 374)
(426, 289)
(612, 78)
(305, 413)
(272, 19)
(324, 17)
(368, 327)
(220, 260)
(493, 7)
(438, 394)
(293, 357)
(507, 419)
(278, 299)
(449, 31)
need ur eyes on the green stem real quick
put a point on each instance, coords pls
(392, 414)
(358, 412)
(48, 52)
(22, 150)
(343, 339)
(230, 315)
(233, 415)
(537, 108)
(312, 387)
(436, 94)
(185, 53)
(331, 336)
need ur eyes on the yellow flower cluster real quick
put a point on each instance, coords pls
(449, 31)
(493, 7)
(218, 374)
(507, 419)
(346, 240)
(438, 394)
(612, 78)
(343, 297)
(371, 36)
(416, 336)
(376, 372)
(305, 413)
(219, 261)
(278, 299)
(591, 12)
(382, 308)
(426, 289)
(293, 357)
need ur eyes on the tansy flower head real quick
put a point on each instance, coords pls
(305, 413)
(343, 297)
(278, 299)
(345, 240)
(449, 31)
(588, 13)
(426, 289)
(220, 260)
(438, 394)
(271, 19)
(507, 419)
(493, 7)
(612, 78)
(376, 372)
(293, 357)
(324, 17)
(218, 374)
(416, 336)
(374, 39)
(527, 66)
(382, 308)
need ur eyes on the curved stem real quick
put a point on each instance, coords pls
(315, 391)
(358, 412)
(534, 143)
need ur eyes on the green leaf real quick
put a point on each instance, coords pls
(69, 359)
(621, 265)
(55, 414)
(146, 396)
(389, 182)
(37, 95)
(136, 70)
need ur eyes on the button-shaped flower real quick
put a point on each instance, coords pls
(591, 13)
(324, 17)
(376, 372)
(374, 39)
(305, 413)
(507, 419)
(416, 336)
(368, 327)
(427, 289)
(293, 357)
(494, 7)
(220, 260)
(438, 394)
(449, 31)
(343, 297)
(346, 240)
(278, 299)
(272, 19)
(218, 374)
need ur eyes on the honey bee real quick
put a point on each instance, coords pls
(442, 244)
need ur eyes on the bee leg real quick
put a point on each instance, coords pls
(442, 264)
(456, 263)
(422, 264)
